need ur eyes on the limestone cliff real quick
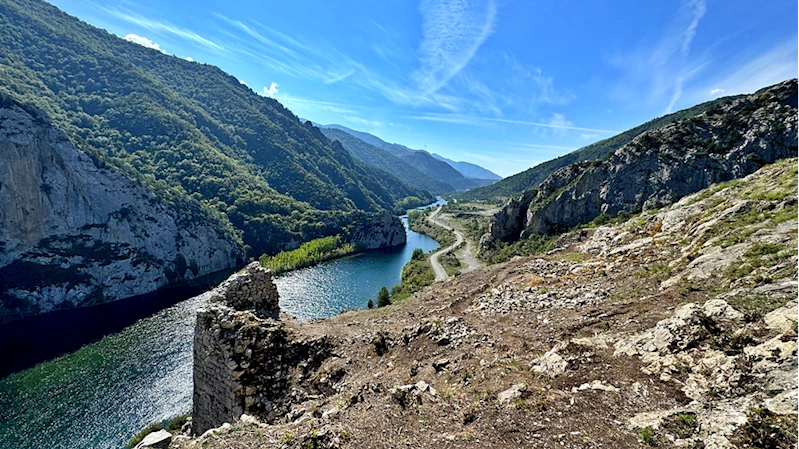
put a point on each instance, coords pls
(378, 230)
(73, 234)
(660, 166)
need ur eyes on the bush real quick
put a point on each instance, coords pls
(418, 254)
(370, 304)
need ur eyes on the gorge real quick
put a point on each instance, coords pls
(95, 396)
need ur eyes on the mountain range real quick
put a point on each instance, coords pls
(459, 176)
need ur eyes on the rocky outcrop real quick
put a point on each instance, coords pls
(244, 356)
(379, 230)
(726, 372)
(660, 166)
(74, 234)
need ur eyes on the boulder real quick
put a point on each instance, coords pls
(511, 394)
(156, 440)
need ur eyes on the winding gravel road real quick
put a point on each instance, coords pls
(467, 256)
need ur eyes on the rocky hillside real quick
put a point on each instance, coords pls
(676, 328)
(75, 234)
(660, 166)
(534, 176)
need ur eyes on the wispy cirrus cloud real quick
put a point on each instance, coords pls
(767, 68)
(163, 27)
(452, 32)
(143, 41)
(334, 78)
(663, 67)
(678, 44)
(557, 122)
(554, 123)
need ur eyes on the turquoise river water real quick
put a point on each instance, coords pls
(99, 395)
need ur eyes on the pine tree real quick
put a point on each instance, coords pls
(370, 304)
(383, 298)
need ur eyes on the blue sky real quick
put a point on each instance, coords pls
(505, 84)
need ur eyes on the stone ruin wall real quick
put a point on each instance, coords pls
(243, 352)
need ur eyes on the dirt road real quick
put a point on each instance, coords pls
(466, 256)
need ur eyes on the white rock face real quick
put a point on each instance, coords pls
(73, 234)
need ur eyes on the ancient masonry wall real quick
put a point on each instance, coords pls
(243, 354)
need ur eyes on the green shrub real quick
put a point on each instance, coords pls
(647, 435)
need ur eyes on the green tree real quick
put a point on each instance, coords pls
(370, 304)
(418, 254)
(383, 298)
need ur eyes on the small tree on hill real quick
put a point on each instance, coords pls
(383, 298)
(418, 254)
(370, 304)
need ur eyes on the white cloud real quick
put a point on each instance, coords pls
(360, 121)
(692, 11)
(143, 41)
(452, 32)
(589, 136)
(663, 67)
(189, 58)
(675, 96)
(271, 91)
(559, 124)
(244, 82)
(717, 91)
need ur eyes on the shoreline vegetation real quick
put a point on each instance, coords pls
(416, 275)
(309, 253)
(409, 203)
(418, 222)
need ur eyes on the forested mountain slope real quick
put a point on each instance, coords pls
(532, 177)
(188, 132)
(472, 171)
(382, 159)
(419, 159)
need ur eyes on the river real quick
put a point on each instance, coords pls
(99, 395)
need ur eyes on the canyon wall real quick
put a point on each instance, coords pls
(73, 234)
